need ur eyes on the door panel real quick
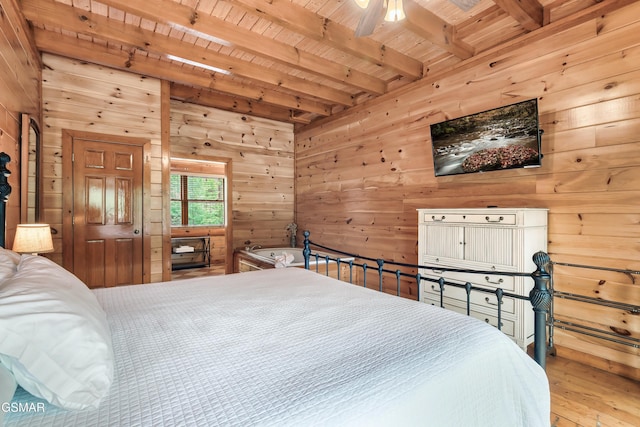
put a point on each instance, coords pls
(125, 271)
(107, 212)
(124, 194)
(95, 189)
(92, 270)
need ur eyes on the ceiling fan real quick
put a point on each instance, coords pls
(395, 12)
(373, 11)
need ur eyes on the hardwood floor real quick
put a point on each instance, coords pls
(590, 397)
(580, 395)
(214, 270)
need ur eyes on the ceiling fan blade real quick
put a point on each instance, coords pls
(369, 18)
(465, 5)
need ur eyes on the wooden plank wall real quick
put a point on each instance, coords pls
(19, 93)
(362, 174)
(261, 152)
(87, 97)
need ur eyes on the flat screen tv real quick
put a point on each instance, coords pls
(502, 138)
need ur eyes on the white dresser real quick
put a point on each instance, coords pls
(491, 239)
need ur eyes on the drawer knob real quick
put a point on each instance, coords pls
(493, 282)
(488, 301)
(433, 217)
(488, 218)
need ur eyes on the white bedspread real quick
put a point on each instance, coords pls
(289, 347)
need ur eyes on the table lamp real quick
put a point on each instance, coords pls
(33, 239)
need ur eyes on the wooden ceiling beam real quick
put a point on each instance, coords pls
(486, 18)
(11, 11)
(190, 21)
(49, 12)
(303, 21)
(22, 62)
(209, 98)
(433, 28)
(85, 50)
(529, 13)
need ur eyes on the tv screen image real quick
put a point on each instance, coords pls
(502, 138)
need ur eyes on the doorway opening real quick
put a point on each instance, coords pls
(200, 211)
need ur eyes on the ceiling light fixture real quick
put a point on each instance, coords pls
(198, 64)
(200, 34)
(395, 11)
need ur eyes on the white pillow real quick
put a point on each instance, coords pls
(10, 255)
(8, 263)
(7, 389)
(54, 335)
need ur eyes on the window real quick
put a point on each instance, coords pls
(197, 200)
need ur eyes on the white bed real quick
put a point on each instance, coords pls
(289, 347)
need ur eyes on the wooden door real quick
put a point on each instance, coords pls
(107, 212)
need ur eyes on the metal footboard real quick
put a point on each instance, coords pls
(540, 296)
(614, 335)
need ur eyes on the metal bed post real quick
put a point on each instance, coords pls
(380, 269)
(5, 190)
(541, 299)
(306, 251)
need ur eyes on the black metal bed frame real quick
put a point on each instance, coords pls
(541, 295)
(609, 335)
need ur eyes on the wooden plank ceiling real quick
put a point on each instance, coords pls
(289, 60)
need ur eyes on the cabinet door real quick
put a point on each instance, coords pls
(445, 241)
(489, 245)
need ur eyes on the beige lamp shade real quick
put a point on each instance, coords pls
(33, 238)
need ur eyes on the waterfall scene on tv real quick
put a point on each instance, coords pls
(502, 138)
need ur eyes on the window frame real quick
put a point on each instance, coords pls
(184, 200)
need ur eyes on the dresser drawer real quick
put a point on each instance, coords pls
(443, 217)
(508, 326)
(473, 218)
(478, 299)
(489, 281)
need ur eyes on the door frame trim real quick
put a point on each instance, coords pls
(68, 137)
(228, 259)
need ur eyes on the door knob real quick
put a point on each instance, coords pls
(136, 231)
